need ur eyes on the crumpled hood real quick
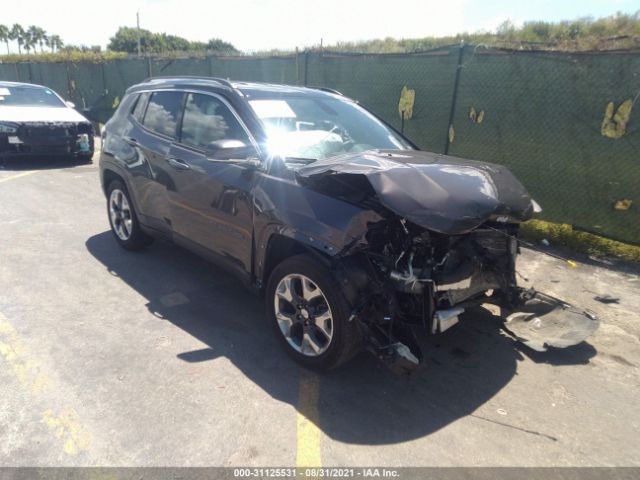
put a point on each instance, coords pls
(39, 114)
(441, 193)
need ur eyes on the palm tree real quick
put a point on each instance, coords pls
(33, 34)
(17, 34)
(55, 42)
(27, 41)
(4, 36)
(42, 38)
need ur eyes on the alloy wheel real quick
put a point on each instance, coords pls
(303, 314)
(120, 214)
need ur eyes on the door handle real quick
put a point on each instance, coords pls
(131, 141)
(178, 164)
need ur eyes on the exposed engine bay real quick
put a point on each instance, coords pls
(414, 282)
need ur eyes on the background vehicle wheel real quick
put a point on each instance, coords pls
(123, 220)
(85, 157)
(310, 314)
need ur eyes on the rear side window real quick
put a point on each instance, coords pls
(206, 120)
(162, 112)
(140, 106)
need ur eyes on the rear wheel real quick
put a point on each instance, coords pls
(84, 157)
(123, 219)
(310, 314)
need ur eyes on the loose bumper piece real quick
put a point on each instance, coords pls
(543, 321)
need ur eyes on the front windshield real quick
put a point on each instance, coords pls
(319, 127)
(28, 97)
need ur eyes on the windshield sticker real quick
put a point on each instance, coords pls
(272, 109)
(49, 92)
(4, 91)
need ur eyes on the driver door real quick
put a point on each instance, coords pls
(211, 205)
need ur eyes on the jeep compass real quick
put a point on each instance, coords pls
(354, 237)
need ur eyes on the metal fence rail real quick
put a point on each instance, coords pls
(565, 123)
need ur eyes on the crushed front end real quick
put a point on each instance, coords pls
(420, 282)
(447, 242)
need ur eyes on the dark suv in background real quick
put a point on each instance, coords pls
(355, 238)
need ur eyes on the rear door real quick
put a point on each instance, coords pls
(211, 204)
(156, 131)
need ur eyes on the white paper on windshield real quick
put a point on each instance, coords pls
(272, 109)
(4, 92)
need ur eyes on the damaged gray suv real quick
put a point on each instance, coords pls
(355, 238)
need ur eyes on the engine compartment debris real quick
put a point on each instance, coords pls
(445, 240)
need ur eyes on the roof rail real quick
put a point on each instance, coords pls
(223, 81)
(326, 89)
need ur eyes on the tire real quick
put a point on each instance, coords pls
(84, 158)
(123, 219)
(324, 318)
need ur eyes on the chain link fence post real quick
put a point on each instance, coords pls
(456, 85)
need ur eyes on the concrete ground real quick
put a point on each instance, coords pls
(150, 359)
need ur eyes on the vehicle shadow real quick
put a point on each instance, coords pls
(40, 163)
(360, 403)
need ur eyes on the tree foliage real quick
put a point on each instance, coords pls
(32, 38)
(620, 31)
(126, 40)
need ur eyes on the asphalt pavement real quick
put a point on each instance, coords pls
(113, 358)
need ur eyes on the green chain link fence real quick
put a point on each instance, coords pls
(565, 123)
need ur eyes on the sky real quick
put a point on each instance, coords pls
(255, 25)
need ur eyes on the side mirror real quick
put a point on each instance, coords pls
(70, 104)
(228, 150)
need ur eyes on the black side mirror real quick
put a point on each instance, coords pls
(231, 150)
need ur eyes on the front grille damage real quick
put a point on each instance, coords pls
(406, 280)
(445, 240)
(48, 139)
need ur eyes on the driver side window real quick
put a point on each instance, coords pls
(206, 120)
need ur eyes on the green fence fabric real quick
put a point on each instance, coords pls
(376, 81)
(567, 124)
(543, 115)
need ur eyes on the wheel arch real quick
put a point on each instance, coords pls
(281, 246)
(108, 176)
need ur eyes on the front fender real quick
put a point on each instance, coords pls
(318, 221)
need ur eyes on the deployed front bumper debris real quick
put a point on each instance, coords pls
(444, 241)
(535, 319)
(542, 321)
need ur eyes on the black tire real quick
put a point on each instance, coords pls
(345, 339)
(84, 157)
(137, 239)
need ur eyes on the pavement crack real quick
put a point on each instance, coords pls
(532, 432)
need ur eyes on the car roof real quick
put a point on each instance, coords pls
(247, 89)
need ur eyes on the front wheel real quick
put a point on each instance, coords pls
(84, 157)
(123, 219)
(310, 314)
